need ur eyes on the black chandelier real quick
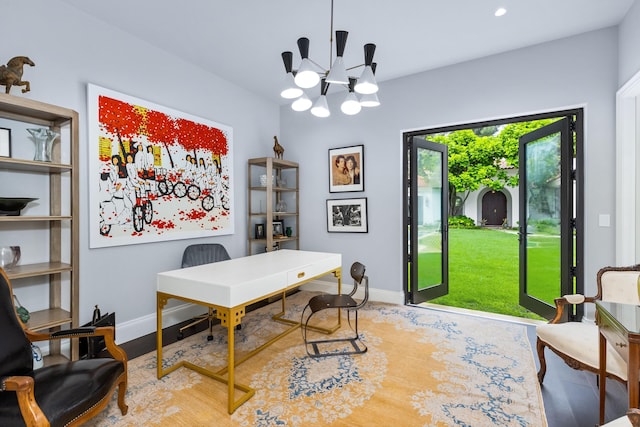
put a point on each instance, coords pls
(310, 73)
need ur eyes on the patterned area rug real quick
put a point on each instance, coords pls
(423, 368)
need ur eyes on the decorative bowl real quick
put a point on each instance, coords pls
(11, 206)
(9, 256)
(263, 180)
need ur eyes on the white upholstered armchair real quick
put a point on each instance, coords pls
(631, 419)
(577, 342)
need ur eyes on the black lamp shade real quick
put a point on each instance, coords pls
(369, 50)
(303, 46)
(324, 86)
(341, 42)
(287, 58)
(352, 83)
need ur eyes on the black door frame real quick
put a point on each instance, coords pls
(414, 294)
(564, 129)
(578, 174)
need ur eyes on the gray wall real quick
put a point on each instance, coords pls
(577, 71)
(70, 50)
(629, 40)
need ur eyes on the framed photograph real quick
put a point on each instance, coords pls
(259, 232)
(347, 215)
(155, 173)
(346, 169)
(278, 229)
(5, 142)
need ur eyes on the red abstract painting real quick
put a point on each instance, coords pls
(156, 174)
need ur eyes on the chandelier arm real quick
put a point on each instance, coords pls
(324, 70)
(355, 66)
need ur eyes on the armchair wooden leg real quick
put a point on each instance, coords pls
(122, 391)
(543, 363)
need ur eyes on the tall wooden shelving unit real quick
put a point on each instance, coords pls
(264, 197)
(54, 219)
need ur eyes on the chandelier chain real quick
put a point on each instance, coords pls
(331, 37)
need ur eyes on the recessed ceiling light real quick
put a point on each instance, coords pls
(500, 11)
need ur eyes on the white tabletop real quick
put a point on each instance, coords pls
(242, 280)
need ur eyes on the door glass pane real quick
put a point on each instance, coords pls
(543, 217)
(429, 218)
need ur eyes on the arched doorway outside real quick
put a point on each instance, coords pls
(494, 208)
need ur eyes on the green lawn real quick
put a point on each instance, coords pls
(483, 270)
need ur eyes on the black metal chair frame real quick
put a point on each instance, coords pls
(338, 301)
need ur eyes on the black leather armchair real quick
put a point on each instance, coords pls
(65, 394)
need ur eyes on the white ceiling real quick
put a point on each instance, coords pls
(241, 40)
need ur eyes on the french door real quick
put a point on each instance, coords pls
(550, 226)
(426, 213)
(547, 226)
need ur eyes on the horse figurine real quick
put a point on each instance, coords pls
(278, 149)
(11, 74)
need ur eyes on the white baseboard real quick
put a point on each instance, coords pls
(136, 328)
(378, 295)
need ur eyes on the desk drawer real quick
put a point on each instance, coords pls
(616, 338)
(307, 272)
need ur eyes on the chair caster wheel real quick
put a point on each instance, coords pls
(238, 327)
(209, 337)
(180, 336)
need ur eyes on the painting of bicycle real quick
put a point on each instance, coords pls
(157, 174)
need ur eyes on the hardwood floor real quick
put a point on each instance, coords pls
(570, 396)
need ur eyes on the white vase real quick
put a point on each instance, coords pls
(9, 256)
(43, 139)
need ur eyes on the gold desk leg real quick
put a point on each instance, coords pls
(161, 302)
(279, 317)
(231, 353)
(338, 276)
(231, 318)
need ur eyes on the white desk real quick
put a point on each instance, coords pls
(229, 287)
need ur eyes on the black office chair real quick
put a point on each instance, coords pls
(338, 301)
(203, 253)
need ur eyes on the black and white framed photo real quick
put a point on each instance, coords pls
(5, 142)
(259, 231)
(347, 215)
(278, 229)
(346, 169)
